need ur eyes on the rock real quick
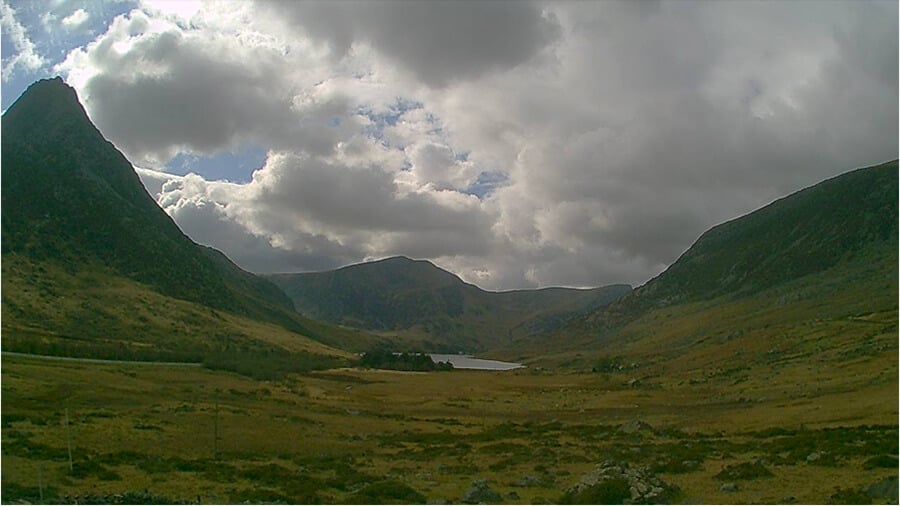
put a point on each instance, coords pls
(613, 482)
(729, 487)
(884, 489)
(480, 493)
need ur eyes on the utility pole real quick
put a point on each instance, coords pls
(69, 441)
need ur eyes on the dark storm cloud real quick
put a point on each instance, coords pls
(439, 42)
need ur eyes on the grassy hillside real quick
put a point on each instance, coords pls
(91, 265)
(69, 197)
(802, 291)
(804, 233)
(420, 301)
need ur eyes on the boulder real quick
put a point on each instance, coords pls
(620, 483)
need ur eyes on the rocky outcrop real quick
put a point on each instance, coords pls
(619, 483)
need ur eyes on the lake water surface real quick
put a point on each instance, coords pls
(468, 362)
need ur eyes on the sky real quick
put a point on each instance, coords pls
(517, 144)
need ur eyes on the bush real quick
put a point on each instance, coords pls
(614, 491)
(881, 462)
(744, 471)
(386, 492)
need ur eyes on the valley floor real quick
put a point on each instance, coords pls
(365, 436)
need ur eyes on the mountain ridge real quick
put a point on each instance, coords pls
(805, 232)
(418, 298)
(79, 226)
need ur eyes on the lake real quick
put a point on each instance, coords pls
(468, 362)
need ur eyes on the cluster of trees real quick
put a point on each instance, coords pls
(383, 358)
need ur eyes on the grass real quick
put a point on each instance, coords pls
(370, 436)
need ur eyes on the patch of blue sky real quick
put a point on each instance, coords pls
(382, 119)
(487, 182)
(52, 40)
(237, 166)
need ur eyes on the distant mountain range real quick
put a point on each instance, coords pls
(419, 301)
(91, 265)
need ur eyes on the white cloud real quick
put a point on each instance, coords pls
(26, 56)
(182, 10)
(76, 20)
(620, 130)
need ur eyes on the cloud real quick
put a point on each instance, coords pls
(439, 42)
(578, 143)
(76, 20)
(182, 10)
(26, 56)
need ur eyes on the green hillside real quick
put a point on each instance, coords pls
(801, 287)
(417, 300)
(82, 239)
(808, 232)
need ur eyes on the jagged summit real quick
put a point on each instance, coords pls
(71, 198)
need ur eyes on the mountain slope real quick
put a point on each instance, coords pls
(807, 282)
(70, 196)
(417, 299)
(74, 213)
(805, 233)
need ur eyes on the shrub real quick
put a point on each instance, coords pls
(744, 471)
(614, 491)
(386, 492)
(881, 462)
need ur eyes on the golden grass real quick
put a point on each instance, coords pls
(402, 425)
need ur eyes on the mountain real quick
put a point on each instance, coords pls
(807, 232)
(805, 287)
(82, 238)
(416, 299)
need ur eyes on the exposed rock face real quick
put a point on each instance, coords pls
(618, 483)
